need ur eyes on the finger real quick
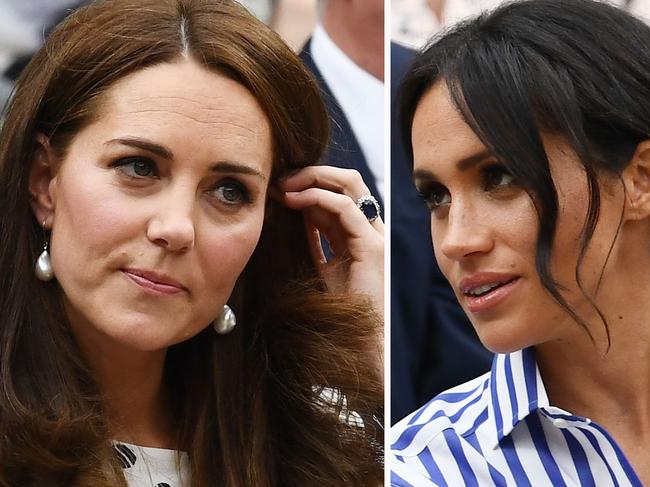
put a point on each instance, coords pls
(337, 270)
(348, 216)
(345, 181)
(331, 272)
(329, 227)
(333, 202)
(358, 245)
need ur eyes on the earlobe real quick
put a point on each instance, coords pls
(42, 181)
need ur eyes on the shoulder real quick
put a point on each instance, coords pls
(441, 436)
(478, 433)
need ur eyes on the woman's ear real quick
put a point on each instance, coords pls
(42, 182)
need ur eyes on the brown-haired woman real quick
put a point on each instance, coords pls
(136, 162)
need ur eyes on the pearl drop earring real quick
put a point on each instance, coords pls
(226, 321)
(43, 268)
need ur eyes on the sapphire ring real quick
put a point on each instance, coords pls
(369, 207)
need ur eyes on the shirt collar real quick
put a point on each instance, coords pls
(516, 390)
(337, 67)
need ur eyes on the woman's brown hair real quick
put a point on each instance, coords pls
(292, 397)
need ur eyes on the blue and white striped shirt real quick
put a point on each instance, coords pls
(500, 430)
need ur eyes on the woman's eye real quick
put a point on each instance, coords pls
(137, 167)
(435, 196)
(232, 192)
(497, 176)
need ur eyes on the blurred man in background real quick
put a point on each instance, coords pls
(346, 55)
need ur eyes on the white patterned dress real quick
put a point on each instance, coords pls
(153, 467)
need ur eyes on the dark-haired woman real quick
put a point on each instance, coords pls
(529, 130)
(166, 315)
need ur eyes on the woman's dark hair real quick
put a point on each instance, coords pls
(575, 68)
(273, 403)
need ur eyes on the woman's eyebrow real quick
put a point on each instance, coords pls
(159, 150)
(468, 162)
(423, 175)
(165, 153)
(462, 165)
(235, 167)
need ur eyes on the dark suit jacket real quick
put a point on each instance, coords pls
(344, 149)
(433, 345)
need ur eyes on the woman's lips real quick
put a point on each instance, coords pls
(156, 288)
(477, 304)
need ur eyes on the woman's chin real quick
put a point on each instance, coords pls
(141, 340)
(139, 334)
(502, 336)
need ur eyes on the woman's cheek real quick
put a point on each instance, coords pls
(91, 214)
(228, 248)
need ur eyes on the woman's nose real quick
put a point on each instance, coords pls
(172, 227)
(466, 233)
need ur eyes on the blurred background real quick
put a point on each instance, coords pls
(413, 22)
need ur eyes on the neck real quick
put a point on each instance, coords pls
(582, 379)
(132, 386)
(609, 384)
(360, 38)
(136, 398)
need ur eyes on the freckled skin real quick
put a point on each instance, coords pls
(173, 224)
(481, 230)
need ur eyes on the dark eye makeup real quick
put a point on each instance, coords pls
(232, 192)
(434, 195)
(494, 177)
(227, 190)
(136, 167)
